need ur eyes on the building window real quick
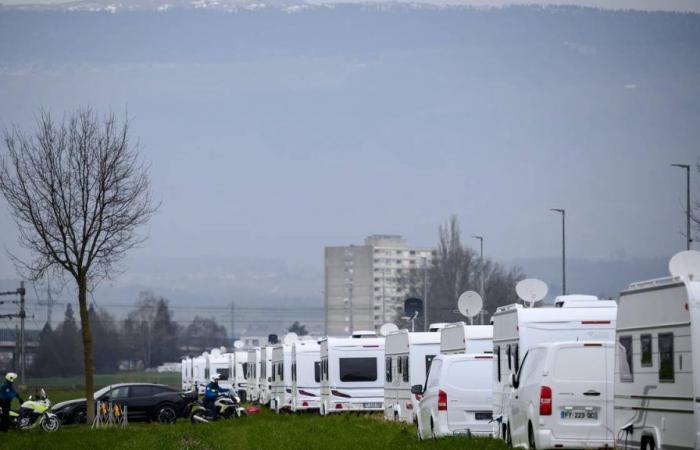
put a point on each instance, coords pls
(645, 341)
(625, 359)
(666, 369)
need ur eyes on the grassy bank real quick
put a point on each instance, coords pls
(261, 431)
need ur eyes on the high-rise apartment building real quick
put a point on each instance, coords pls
(365, 284)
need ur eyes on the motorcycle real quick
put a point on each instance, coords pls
(227, 405)
(35, 412)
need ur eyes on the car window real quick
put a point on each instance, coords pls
(140, 391)
(162, 390)
(120, 392)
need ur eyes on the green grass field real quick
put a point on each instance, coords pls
(260, 431)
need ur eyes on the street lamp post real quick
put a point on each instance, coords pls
(563, 248)
(688, 236)
(481, 263)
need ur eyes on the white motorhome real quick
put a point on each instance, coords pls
(186, 373)
(351, 373)
(407, 360)
(240, 368)
(456, 398)
(200, 371)
(281, 391)
(252, 380)
(517, 328)
(564, 396)
(657, 376)
(265, 375)
(221, 363)
(461, 338)
(306, 375)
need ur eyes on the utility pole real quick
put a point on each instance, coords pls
(689, 238)
(481, 263)
(563, 248)
(425, 294)
(21, 315)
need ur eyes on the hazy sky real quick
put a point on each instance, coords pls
(303, 139)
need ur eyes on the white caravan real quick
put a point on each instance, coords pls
(265, 375)
(252, 380)
(461, 338)
(239, 373)
(657, 378)
(351, 373)
(516, 329)
(306, 375)
(407, 360)
(457, 396)
(281, 391)
(221, 363)
(564, 396)
(186, 373)
(200, 371)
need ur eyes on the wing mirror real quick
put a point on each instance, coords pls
(514, 381)
(416, 389)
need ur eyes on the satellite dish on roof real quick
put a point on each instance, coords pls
(290, 338)
(387, 328)
(238, 344)
(685, 264)
(531, 290)
(470, 304)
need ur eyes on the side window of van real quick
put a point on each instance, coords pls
(645, 343)
(428, 363)
(497, 351)
(387, 365)
(405, 369)
(625, 359)
(434, 376)
(666, 369)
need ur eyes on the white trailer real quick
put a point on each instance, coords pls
(407, 361)
(186, 373)
(265, 375)
(221, 363)
(657, 374)
(459, 338)
(351, 373)
(306, 375)
(240, 367)
(252, 380)
(517, 328)
(281, 391)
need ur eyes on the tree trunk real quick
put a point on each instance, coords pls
(87, 349)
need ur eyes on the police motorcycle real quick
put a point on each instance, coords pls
(34, 413)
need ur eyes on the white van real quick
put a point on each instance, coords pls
(265, 375)
(240, 368)
(564, 396)
(657, 378)
(306, 375)
(252, 380)
(457, 396)
(461, 338)
(516, 329)
(351, 373)
(281, 391)
(406, 362)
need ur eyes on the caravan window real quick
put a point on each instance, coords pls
(317, 371)
(428, 363)
(516, 358)
(358, 369)
(223, 374)
(645, 341)
(497, 351)
(387, 365)
(281, 369)
(245, 369)
(206, 373)
(510, 366)
(405, 369)
(666, 370)
(625, 359)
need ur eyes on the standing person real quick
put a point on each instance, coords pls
(211, 392)
(7, 393)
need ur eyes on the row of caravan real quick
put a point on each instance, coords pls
(582, 373)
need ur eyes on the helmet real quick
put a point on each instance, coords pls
(214, 378)
(11, 377)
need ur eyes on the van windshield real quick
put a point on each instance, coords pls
(580, 363)
(358, 369)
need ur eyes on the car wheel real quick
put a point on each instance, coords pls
(531, 437)
(166, 414)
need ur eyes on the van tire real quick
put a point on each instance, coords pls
(531, 437)
(648, 443)
(418, 436)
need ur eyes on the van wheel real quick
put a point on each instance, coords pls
(418, 436)
(648, 443)
(531, 437)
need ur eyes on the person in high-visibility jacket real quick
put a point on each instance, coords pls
(7, 394)
(211, 392)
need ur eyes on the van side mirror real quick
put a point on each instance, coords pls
(514, 381)
(416, 389)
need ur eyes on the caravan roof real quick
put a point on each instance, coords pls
(400, 341)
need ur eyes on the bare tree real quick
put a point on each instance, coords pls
(78, 194)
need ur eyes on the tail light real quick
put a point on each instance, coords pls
(545, 401)
(442, 400)
(307, 393)
(338, 406)
(339, 394)
(305, 404)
